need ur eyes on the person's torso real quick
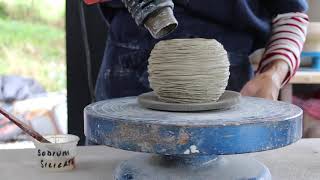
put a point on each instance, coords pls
(237, 24)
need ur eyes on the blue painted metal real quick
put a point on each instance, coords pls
(189, 143)
(316, 62)
(315, 59)
(310, 54)
(254, 125)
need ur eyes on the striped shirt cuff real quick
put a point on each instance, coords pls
(286, 42)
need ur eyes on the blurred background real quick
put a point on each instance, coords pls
(33, 66)
(32, 41)
(43, 61)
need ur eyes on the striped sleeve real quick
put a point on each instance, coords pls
(286, 42)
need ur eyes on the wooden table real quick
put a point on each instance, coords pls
(300, 161)
(306, 77)
(301, 77)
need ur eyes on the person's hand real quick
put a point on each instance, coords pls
(268, 83)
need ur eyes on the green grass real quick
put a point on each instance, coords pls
(3, 12)
(48, 12)
(34, 50)
(32, 41)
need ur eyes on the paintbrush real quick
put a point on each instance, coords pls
(25, 127)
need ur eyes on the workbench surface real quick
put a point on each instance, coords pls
(300, 161)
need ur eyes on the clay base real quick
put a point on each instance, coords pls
(151, 101)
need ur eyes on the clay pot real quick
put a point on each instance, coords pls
(188, 70)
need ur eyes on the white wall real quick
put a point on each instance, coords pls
(314, 10)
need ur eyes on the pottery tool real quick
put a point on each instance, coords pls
(191, 77)
(192, 70)
(26, 128)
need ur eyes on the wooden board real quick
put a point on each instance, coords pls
(303, 76)
(306, 77)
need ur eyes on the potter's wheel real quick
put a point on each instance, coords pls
(188, 144)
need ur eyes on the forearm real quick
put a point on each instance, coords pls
(282, 54)
(278, 71)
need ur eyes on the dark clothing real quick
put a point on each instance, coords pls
(242, 26)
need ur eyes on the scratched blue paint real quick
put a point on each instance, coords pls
(170, 139)
(210, 140)
(193, 140)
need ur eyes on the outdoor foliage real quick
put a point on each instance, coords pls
(32, 40)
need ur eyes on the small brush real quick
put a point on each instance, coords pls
(25, 127)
